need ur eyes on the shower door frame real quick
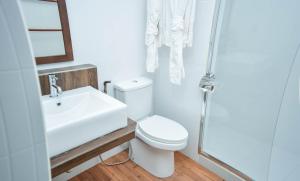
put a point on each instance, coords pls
(216, 22)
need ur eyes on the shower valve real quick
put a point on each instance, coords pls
(207, 83)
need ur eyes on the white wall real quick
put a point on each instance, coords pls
(108, 34)
(183, 103)
(23, 154)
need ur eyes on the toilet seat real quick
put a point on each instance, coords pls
(162, 133)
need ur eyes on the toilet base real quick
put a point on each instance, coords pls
(158, 162)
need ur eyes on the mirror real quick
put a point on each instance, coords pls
(49, 31)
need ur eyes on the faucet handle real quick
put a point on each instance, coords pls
(52, 77)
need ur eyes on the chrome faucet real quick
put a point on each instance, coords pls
(55, 90)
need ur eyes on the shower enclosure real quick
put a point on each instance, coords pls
(251, 110)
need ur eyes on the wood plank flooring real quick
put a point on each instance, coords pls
(185, 170)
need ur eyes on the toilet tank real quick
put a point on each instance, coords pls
(137, 94)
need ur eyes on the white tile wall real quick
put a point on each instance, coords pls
(23, 153)
(7, 47)
(23, 165)
(34, 104)
(15, 111)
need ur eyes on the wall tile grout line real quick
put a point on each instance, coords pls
(9, 156)
(21, 71)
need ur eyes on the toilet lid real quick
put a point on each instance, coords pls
(163, 130)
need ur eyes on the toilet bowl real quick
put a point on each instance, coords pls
(157, 137)
(162, 133)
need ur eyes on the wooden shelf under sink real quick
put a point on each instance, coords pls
(70, 159)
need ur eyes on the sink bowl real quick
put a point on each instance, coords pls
(83, 115)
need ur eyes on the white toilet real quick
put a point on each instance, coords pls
(157, 137)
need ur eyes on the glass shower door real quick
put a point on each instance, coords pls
(254, 50)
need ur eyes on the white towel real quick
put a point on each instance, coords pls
(169, 22)
(152, 34)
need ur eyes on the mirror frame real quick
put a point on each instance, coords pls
(65, 28)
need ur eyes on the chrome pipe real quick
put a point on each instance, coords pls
(207, 81)
(213, 33)
(207, 85)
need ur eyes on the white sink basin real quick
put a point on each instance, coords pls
(84, 114)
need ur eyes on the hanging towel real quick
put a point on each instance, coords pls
(177, 29)
(173, 27)
(152, 34)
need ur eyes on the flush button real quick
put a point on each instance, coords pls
(135, 81)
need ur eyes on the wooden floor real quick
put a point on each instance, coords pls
(185, 170)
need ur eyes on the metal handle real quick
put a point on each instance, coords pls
(52, 78)
(207, 83)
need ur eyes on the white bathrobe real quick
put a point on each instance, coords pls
(152, 39)
(170, 23)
